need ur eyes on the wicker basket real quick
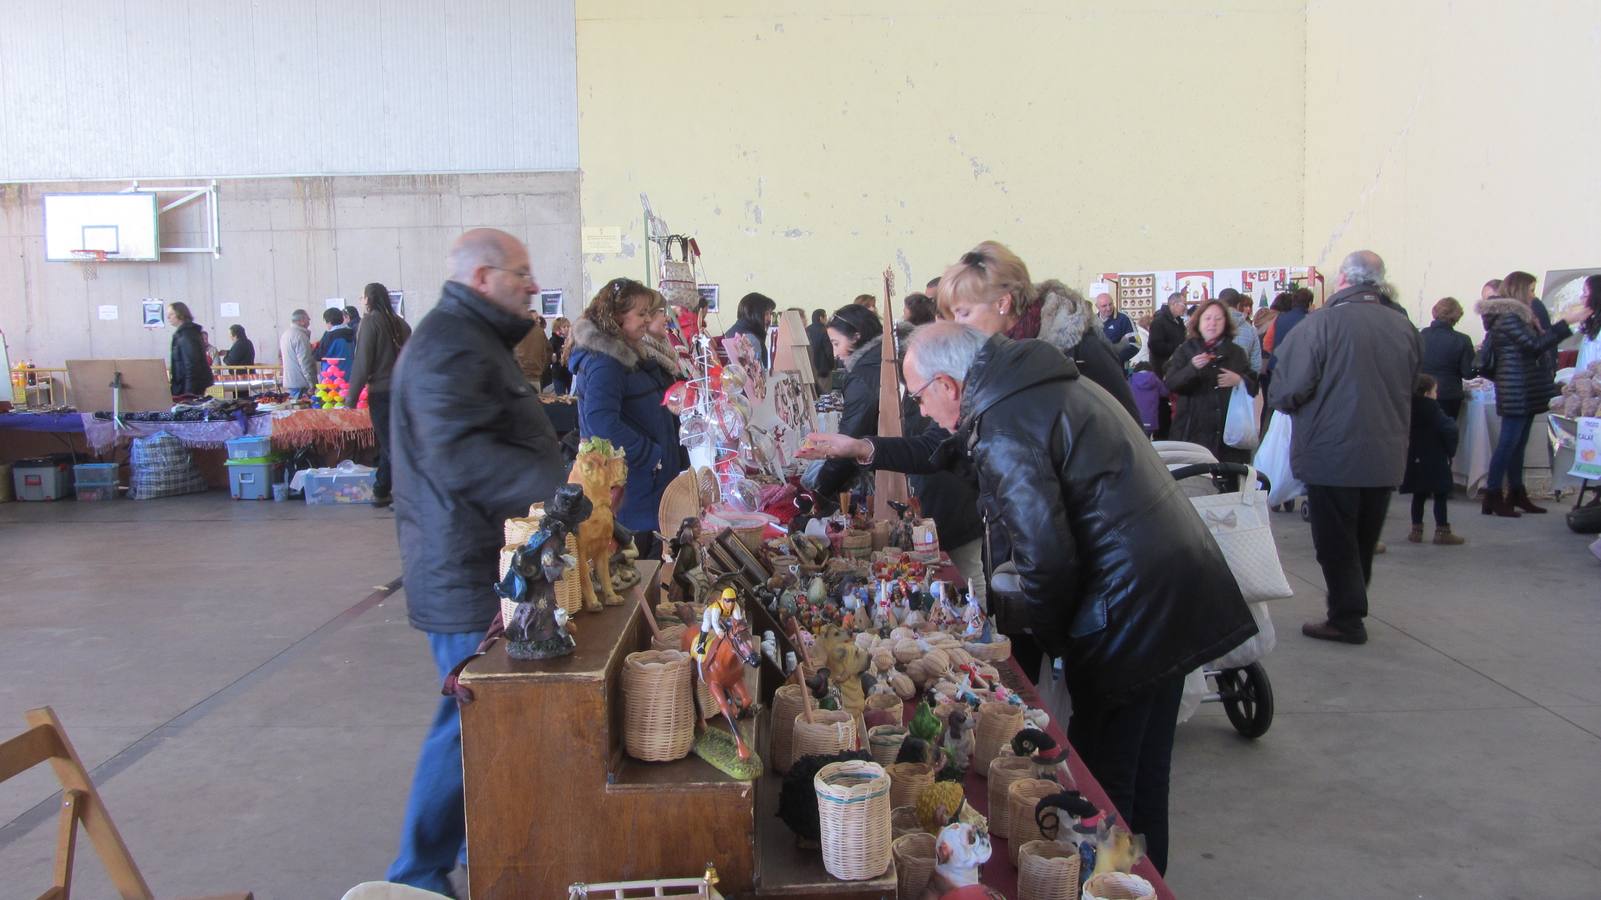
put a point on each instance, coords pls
(669, 638)
(997, 650)
(891, 706)
(914, 864)
(907, 781)
(788, 702)
(680, 501)
(751, 537)
(903, 821)
(830, 731)
(1118, 886)
(1002, 772)
(705, 703)
(884, 742)
(998, 723)
(1047, 871)
(658, 714)
(881, 532)
(857, 544)
(1021, 798)
(853, 819)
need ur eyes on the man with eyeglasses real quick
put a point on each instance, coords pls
(471, 447)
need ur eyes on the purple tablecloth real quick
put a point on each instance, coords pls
(103, 435)
(22, 421)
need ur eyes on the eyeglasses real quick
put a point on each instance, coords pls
(917, 395)
(524, 274)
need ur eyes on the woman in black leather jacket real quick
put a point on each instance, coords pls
(857, 338)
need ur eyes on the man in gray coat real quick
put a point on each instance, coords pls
(1346, 376)
(471, 447)
(294, 352)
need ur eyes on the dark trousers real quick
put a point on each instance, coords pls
(1452, 408)
(1164, 418)
(1346, 522)
(1129, 750)
(378, 407)
(1419, 499)
(1506, 463)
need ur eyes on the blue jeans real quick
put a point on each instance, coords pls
(1507, 460)
(434, 836)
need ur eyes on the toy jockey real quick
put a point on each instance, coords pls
(722, 609)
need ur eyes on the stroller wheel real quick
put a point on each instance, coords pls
(1247, 699)
(1306, 510)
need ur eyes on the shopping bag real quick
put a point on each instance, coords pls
(1239, 523)
(1273, 460)
(1239, 429)
(677, 279)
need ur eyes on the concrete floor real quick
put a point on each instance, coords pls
(252, 709)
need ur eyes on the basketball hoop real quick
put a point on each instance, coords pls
(90, 259)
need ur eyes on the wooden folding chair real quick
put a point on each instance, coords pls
(80, 803)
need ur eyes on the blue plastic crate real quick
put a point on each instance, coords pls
(252, 482)
(249, 447)
(95, 474)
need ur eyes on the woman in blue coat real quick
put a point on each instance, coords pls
(619, 400)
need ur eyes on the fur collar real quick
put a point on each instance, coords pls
(662, 353)
(856, 355)
(1065, 316)
(1496, 306)
(588, 337)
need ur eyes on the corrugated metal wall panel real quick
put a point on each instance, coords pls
(149, 88)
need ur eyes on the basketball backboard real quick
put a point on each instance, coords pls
(123, 226)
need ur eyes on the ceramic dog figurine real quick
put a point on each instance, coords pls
(958, 852)
(602, 471)
(959, 742)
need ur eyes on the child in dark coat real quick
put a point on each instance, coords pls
(1428, 462)
(1150, 392)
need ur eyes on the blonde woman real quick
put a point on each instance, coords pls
(561, 377)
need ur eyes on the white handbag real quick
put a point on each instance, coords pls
(1240, 525)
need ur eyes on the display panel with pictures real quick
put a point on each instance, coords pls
(550, 303)
(711, 294)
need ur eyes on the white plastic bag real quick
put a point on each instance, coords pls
(1195, 691)
(1239, 429)
(1273, 460)
(1257, 645)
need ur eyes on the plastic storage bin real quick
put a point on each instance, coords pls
(41, 479)
(97, 492)
(252, 479)
(249, 447)
(94, 474)
(341, 485)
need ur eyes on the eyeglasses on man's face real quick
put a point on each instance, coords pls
(524, 274)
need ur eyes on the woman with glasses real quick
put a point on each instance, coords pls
(619, 400)
(857, 338)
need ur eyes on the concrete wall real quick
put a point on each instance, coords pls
(146, 89)
(1455, 137)
(286, 243)
(809, 145)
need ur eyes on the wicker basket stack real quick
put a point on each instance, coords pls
(788, 703)
(884, 742)
(903, 821)
(658, 712)
(997, 650)
(669, 638)
(1118, 886)
(889, 707)
(1047, 870)
(853, 819)
(1021, 798)
(914, 863)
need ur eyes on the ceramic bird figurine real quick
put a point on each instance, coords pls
(925, 725)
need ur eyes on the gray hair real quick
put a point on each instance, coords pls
(1362, 267)
(475, 249)
(1180, 296)
(945, 348)
(300, 314)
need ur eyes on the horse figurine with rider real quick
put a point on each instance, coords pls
(720, 657)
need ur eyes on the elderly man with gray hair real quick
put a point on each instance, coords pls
(294, 353)
(1346, 376)
(471, 447)
(1111, 568)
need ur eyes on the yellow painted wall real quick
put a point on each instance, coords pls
(1458, 138)
(809, 145)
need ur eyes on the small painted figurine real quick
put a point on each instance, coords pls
(959, 851)
(538, 626)
(978, 628)
(714, 622)
(689, 576)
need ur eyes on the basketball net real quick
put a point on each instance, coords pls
(89, 260)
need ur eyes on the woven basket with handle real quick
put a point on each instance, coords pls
(1047, 870)
(903, 821)
(829, 732)
(998, 723)
(853, 819)
(997, 650)
(658, 710)
(914, 864)
(1021, 798)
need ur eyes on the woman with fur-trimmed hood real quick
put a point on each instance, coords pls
(621, 400)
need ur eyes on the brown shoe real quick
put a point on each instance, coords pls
(1324, 631)
(1444, 537)
(1414, 536)
(1501, 504)
(1488, 505)
(1379, 548)
(1519, 498)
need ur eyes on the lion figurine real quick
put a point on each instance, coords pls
(602, 470)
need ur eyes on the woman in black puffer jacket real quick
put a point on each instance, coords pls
(188, 366)
(1524, 385)
(1203, 372)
